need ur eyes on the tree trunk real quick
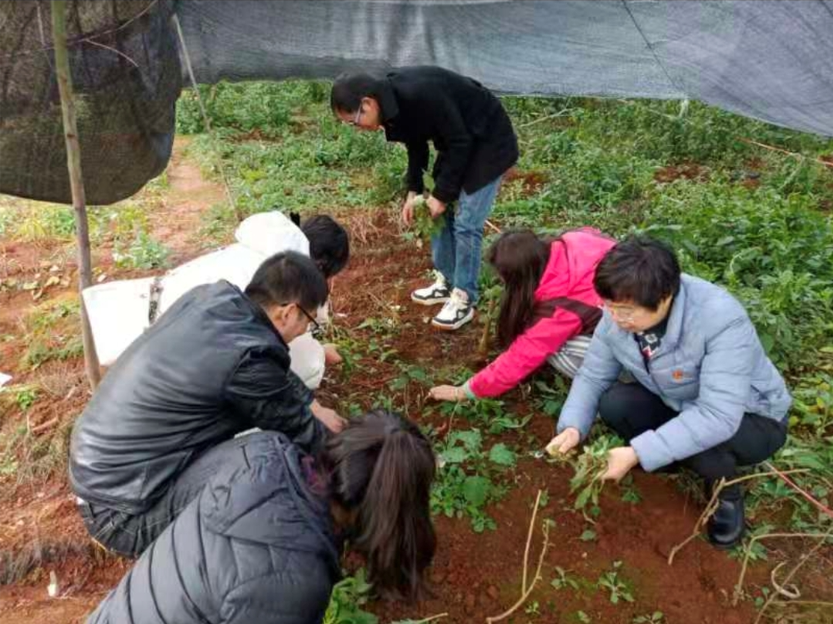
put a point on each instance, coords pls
(76, 180)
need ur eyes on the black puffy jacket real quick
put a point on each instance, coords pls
(212, 366)
(256, 546)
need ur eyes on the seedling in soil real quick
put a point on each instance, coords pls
(655, 618)
(486, 412)
(630, 494)
(24, 396)
(563, 580)
(465, 483)
(551, 399)
(533, 608)
(424, 226)
(615, 585)
(411, 373)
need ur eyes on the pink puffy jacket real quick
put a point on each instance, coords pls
(569, 273)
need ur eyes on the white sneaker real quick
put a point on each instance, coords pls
(456, 312)
(438, 292)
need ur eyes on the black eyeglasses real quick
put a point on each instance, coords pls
(315, 324)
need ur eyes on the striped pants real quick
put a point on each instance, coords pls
(568, 359)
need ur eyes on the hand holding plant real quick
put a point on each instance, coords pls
(447, 393)
(564, 442)
(619, 463)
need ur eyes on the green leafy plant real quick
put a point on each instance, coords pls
(25, 397)
(617, 588)
(143, 252)
(550, 399)
(563, 580)
(630, 493)
(347, 600)
(654, 618)
(424, 225)
(488, 413)
(466, 479)
(587, 481)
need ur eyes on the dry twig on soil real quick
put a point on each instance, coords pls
(789, 577)
(749, 547)
(712, 505)
(526, 591)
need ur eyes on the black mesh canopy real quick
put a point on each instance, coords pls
(769, 60)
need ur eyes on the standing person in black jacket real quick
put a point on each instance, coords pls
(262, 541)
(475, 146)
(215, 364)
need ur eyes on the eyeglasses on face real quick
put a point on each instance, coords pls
(623, 313)
(315, 324)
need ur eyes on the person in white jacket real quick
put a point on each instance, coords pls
(120, 311)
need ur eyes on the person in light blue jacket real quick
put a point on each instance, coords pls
(705, 395)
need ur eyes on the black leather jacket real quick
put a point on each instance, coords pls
(212, 366)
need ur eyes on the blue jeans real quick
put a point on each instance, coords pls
(456, 248)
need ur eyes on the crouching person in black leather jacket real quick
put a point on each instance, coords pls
(215, 364)
(262, 541)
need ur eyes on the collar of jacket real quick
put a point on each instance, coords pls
(261, 315)
(388, 105)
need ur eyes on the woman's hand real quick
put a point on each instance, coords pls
(619, 463)
(564, 442)
(331, 355)
(447, 393)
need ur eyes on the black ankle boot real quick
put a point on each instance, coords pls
(726, 526)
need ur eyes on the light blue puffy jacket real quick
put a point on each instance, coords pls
(710, 367)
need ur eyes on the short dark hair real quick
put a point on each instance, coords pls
(381, 466)
(288, 277)
(349, 89)
(329, 245)
(638, 269)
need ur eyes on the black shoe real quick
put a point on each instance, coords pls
(727, 525)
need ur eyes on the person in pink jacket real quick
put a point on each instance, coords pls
(548, 311)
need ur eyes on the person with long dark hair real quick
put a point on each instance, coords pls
(263, 541)
(548, 311)
(475, 146)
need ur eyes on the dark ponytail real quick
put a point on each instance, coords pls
(329, 244)
(381, 468)
(519, 257)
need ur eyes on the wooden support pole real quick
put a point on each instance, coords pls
(76, 181)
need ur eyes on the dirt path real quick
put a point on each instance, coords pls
(475, 575)
(189, 197)
(41, 524)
